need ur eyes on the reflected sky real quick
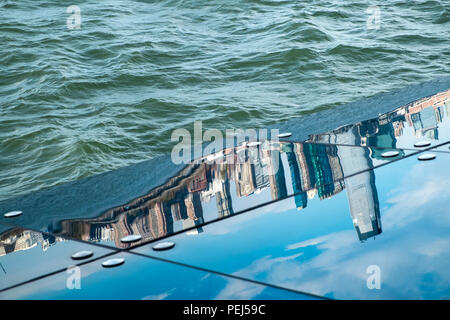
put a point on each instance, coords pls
(134, 281)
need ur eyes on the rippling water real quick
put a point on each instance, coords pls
(78, 102)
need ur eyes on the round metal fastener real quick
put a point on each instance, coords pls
(421, 144)
(131, 238)
(284, 135)
(113, 262)
(390, 154)
(80, 255)
(426, 157)
(163, 246)
(13, 214)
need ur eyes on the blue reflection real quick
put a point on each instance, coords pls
(148, 279)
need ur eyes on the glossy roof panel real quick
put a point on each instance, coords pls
(394, 218)
(4, 228)
(146, 279)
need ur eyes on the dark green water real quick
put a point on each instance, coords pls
(75, 102)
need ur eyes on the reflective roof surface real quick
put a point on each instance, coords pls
(351, 213)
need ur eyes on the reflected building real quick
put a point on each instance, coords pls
(221, 187)
(311, 168)
(361, 189)
(423, 116)
(296, 175)
(245, 179)
(17, 239)
(275, 170)
(426, 114)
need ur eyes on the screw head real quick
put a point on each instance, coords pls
(13, 214)
(113, 262)
(284, 135)
(131, 238)
(80, 255)
(426, 157)
(390, 154)
(163, 246)
(421, 144)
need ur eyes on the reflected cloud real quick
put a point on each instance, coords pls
(160, 296)
(239, 290)
(413, 203)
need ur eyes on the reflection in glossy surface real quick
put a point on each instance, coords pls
(206, 191)
(427, 118)
(26, 254)
(317, 251)
(361, 193)
(20, 239)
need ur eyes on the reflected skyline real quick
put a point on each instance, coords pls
(423, 116)
(307, 170)
(204, 191)
(19, 239)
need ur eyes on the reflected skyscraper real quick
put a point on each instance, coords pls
(296, 177)
(221, 187)
(324, 168)
(276, 174)
(425, 123)
(377, 132)
(260, 169)
(361, 189)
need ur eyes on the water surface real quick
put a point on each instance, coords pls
(78, 102)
